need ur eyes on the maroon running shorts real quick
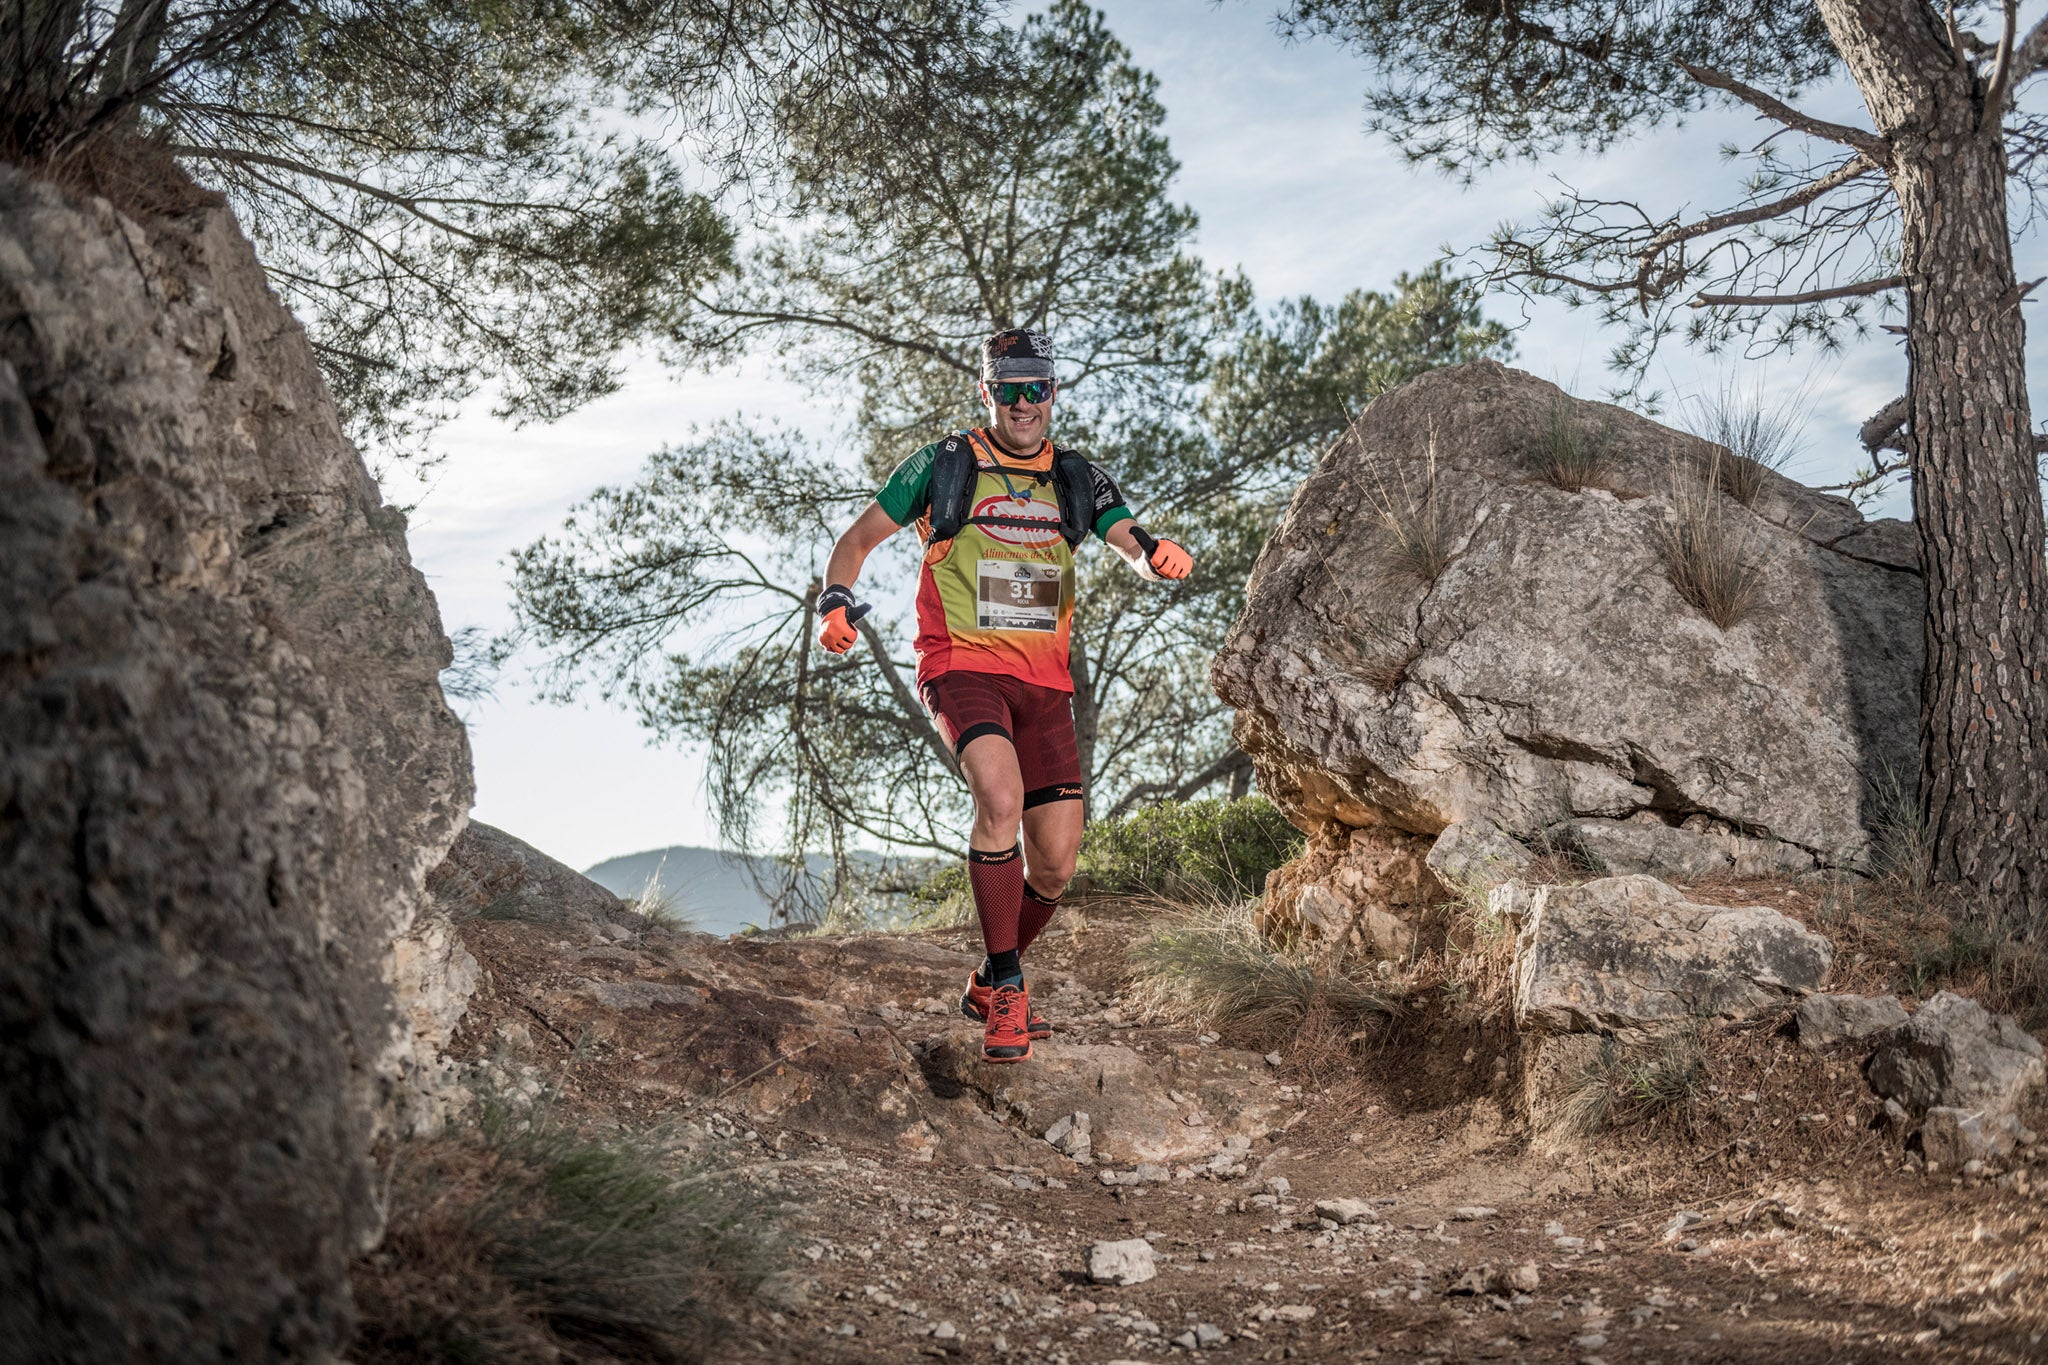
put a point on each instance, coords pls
(1038, 722)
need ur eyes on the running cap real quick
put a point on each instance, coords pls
(1016, 353)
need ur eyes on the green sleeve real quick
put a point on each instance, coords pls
(1110, 518)
(909, 490)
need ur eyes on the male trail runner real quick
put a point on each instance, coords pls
(995, 603)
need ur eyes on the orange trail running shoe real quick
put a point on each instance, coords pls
(1003, 1038)
(974, 1004)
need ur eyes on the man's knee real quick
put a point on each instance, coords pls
(999, 811)
(1049, 873)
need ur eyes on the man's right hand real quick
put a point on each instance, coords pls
(839, 612)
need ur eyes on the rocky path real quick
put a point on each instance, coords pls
(1393, 1211)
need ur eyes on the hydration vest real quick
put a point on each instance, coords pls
(954, 475)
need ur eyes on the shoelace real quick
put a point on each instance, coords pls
(1005, 1005)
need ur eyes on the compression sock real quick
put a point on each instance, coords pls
(997, 880)
(1033, 915)
(1004, 969)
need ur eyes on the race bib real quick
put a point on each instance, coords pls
(1018, 596)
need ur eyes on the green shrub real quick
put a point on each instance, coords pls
(1568, 453)
(943, 899)
(1224, 848)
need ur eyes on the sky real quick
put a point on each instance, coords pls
(1289, 186)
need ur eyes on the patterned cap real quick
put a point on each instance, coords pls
(1017, 353)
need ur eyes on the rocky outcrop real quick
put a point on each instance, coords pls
(1540, 671)
(1630, 953)
(228, 767)
(490, 873)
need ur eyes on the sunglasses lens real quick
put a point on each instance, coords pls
(1033, 391)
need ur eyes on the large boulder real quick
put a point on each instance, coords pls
(1955, 1053)
(228, 768)
(1627, 954)
(1549, 680)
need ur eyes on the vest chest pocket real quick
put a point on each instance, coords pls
(1013, 595)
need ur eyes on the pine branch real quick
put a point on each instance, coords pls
(1845, 291)
(1870, 144)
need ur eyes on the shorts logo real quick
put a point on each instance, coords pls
(1001, 505)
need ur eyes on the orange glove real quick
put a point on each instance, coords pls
(1163, 558)
(838, 610)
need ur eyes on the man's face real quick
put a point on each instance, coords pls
(1018, 425)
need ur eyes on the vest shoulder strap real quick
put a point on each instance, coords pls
(952, 486)
(955, 471)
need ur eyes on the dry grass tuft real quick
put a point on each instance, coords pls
(1208, 966)
(1707, 555)
(1388, 671)
(1465, 956)
(1567, 454)
(517, 1239)
(661, 906)
(1758, 438)
(1624, 1085)
(1409, 515)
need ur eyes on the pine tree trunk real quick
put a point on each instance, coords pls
(1976, 492)
(1087, 712)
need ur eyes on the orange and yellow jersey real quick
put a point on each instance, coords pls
(999, 596)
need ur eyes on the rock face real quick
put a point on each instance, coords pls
(1550, 679)
(1632, 953)
(228, 767)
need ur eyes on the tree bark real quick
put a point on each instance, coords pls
(1969, 436)
(1087, 711)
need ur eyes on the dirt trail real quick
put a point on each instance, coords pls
(926, 1216)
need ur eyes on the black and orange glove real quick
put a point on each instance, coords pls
(1163, 558)
(839, 612)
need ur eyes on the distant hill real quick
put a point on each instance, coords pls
(708, 885)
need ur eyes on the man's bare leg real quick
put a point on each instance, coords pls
(1052, 840)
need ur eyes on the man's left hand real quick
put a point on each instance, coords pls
(1169, 560)
(1160, 558)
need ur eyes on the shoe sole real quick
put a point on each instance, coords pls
(1023, 1056)
(967, 1008)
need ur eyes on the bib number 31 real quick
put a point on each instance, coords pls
(1018, 596)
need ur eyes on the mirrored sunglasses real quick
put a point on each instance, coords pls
(1027, 390)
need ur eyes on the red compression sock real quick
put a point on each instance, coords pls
(1033, 914)
(997, 880)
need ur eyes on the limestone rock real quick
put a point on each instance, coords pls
(228, 768)
(1129, 1095)
(1073, 1135)
(1646, 844)
(1345, 1211)
(1825, 1020)
(1123, 1263)
(1476, 853)
(1950, 1136)
(492, 874)
(1953, 1052)
(1551, 675)
(1631, 952)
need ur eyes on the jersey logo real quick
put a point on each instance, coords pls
(1046, 515)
